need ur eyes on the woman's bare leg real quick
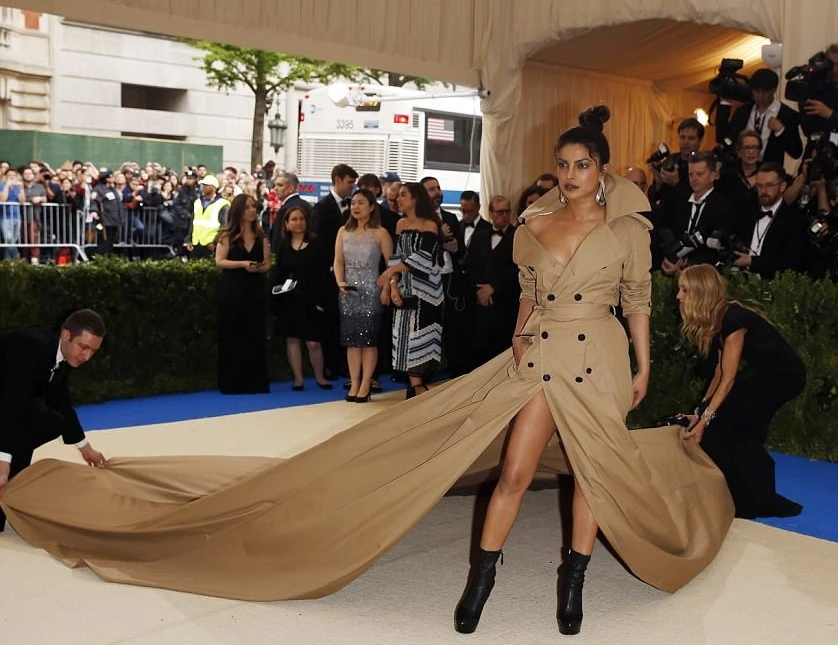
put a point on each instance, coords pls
(294, 351)
(353, 361)
(584, 525)
(531, 430)
(369, 359)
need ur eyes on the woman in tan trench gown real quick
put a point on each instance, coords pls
(268, 529)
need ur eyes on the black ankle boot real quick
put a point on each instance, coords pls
(481, 582)
(571, 579)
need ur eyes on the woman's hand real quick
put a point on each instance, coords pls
(384, 279)
(384, 296)
(696, 428)
(520, 344)
(639, 386)
(395, 294)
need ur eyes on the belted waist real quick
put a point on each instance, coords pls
(564, 313)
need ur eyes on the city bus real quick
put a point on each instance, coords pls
(379, 129)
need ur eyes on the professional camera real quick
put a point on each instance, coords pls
(677, 249)
(726, 154)
(822, 163)
(728, 84)
(804, 81)
(662, 159)
(726, 245)
(823, 229)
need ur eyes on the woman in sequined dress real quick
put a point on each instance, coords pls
(413, 283)
(360, 245)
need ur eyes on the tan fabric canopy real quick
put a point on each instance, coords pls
(645, 58)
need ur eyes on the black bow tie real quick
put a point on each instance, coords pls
(768, 213)
(497, 231)
(467, 224)
(345, 202)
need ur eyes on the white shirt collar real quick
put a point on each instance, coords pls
(338, 199)
(58, 355)
(773, 208)
(703, 198)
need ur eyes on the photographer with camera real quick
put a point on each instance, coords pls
(693, 218)
(777, 125)
(775, 231)
(669, 170)
(737, 177)
(815, 87)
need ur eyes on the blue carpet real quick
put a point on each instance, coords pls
(811, 483)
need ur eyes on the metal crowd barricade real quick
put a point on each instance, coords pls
(40, 226)
(145, 228)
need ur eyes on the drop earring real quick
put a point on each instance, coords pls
(600, 194)
(563, 197)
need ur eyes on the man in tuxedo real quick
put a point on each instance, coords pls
(389, 218)
(705, 210)
(670, 185)
(331, 212)
(471, 221)
(327, 216)
(775, 232)
(35, 406)
(494, 278)
(287, 188)
(777, 124)
(455, 328)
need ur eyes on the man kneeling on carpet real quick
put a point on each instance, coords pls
(35, 405)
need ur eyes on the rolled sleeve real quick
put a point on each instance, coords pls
(636, 281)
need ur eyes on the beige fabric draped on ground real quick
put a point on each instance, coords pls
(264, 529)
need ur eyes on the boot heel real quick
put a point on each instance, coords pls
(571, 580)
(481, 583)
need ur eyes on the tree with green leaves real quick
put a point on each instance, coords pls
(267, 73)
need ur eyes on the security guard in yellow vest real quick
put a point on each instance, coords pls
(209, 215)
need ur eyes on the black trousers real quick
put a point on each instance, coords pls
(37, 425)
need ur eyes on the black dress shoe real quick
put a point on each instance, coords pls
(325, 386)
(350, 398)
(363, 399)
(298, 388)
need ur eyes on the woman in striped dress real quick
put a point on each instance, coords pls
(413, 284)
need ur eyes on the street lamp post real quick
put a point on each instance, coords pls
(277, 128)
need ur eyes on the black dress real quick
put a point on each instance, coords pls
(242, 352)
(770, 375)
(296, 312)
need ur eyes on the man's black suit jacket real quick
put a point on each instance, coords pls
(717, 214)
(776, 148)
(27, 358)
(326, 220)
(485, 265)
(784, 245)
(480, 224)
(294, 201)
(453, 223)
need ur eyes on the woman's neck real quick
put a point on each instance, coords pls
(585, 210)
(297, 239)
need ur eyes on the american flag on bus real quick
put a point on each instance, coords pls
(440, 129)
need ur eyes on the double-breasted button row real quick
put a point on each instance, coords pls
(545, 378)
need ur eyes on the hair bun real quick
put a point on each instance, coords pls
(594, 117)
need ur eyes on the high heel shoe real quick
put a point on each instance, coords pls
(571, 579)
(363, 399)
(324, 386)
(298, 388)
(409, 393)
(481, 583)
(350, 398)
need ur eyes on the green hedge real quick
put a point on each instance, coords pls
(161, 318)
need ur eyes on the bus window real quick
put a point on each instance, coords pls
(452, 142)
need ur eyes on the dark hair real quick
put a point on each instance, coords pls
(706, 157)
(532, 190)
(469, 196)
(343, 170)
(428, 178)
(776, 168)
(693, 123)
(285, 235)
(84, 320)
(425, 209)
(234, 229)
(547, 176)
(371, 182)
(375, 213)
(594, 117)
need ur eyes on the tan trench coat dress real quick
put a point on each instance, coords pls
(268, 529)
